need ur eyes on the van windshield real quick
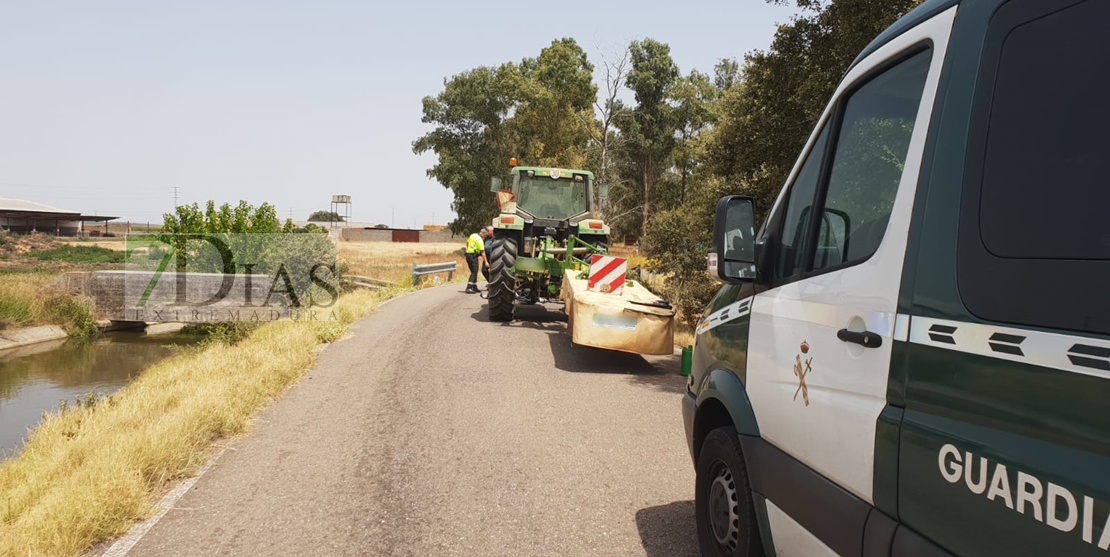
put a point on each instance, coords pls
(548, 198)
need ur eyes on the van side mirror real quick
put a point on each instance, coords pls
(733, 257)
(603, 191)
(495, 185)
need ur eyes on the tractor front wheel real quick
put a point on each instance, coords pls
(502, 281)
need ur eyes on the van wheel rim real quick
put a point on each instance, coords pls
(724, 508)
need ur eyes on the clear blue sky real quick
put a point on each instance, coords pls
(106, 106)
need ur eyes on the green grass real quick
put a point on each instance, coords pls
(79, 254)
(220, 333)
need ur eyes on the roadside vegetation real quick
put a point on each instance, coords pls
(29, 264)
(684, 138)
(89, 472)
(79, 254)
(26, 300)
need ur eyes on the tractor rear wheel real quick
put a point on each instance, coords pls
(502, 281)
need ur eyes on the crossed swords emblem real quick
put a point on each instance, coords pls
(801, 373)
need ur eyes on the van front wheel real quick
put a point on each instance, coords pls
(724, 508)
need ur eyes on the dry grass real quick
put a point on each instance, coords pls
(88, 473)
(115, 244)
(26, 300)
(683, 338)
(635, 259)
(394, 261)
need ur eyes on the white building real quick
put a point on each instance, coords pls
(22, 216)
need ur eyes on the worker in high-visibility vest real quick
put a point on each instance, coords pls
(488, 251)
(475, 258)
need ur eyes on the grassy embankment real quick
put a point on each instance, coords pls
(25, 299)
(88, 473)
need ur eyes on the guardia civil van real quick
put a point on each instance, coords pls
(911, 353)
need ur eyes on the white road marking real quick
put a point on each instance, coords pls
(124, 545)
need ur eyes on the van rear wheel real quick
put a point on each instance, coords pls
(724, 508)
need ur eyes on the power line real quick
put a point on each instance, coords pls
(175, 197)
(43, 186)
(97, 197)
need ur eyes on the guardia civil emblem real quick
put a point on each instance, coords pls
(801, 369)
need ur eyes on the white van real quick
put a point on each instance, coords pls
(911, 355)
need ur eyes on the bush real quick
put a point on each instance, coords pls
(678, 241)
(75, 314)
(220, 333)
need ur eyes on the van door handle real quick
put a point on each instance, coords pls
(866, 339)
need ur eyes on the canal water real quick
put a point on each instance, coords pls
(37, 378)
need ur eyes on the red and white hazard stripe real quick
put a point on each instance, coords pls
(607, 274)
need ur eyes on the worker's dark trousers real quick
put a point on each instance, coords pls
(472, 264)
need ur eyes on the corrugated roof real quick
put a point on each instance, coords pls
(12, 204)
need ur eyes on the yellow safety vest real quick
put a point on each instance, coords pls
(475, 244)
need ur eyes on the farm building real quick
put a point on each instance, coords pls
(18, 215)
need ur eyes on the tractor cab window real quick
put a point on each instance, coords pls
(545, 198)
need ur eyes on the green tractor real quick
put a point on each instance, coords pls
(544, 228)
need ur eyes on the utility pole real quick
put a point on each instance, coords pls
(392, 217)
(290, 213)
(175, 197)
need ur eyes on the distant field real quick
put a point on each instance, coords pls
(78, 254)
(117, 244)
(394, 261)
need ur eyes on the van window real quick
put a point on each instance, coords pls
(1034, 239)
(1046, 189)
(867, 167)
(799, 206)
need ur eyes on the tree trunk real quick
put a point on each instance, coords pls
(647, 193)
(603, 175)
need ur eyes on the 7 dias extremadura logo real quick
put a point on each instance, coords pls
(230, 277)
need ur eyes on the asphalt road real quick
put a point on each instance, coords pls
(432, 431)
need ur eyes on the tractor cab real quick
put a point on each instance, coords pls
(551, 194)
(549, 201)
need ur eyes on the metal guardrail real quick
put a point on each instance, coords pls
(366, 282)
(421, 270)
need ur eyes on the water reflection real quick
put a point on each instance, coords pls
(39, 377)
